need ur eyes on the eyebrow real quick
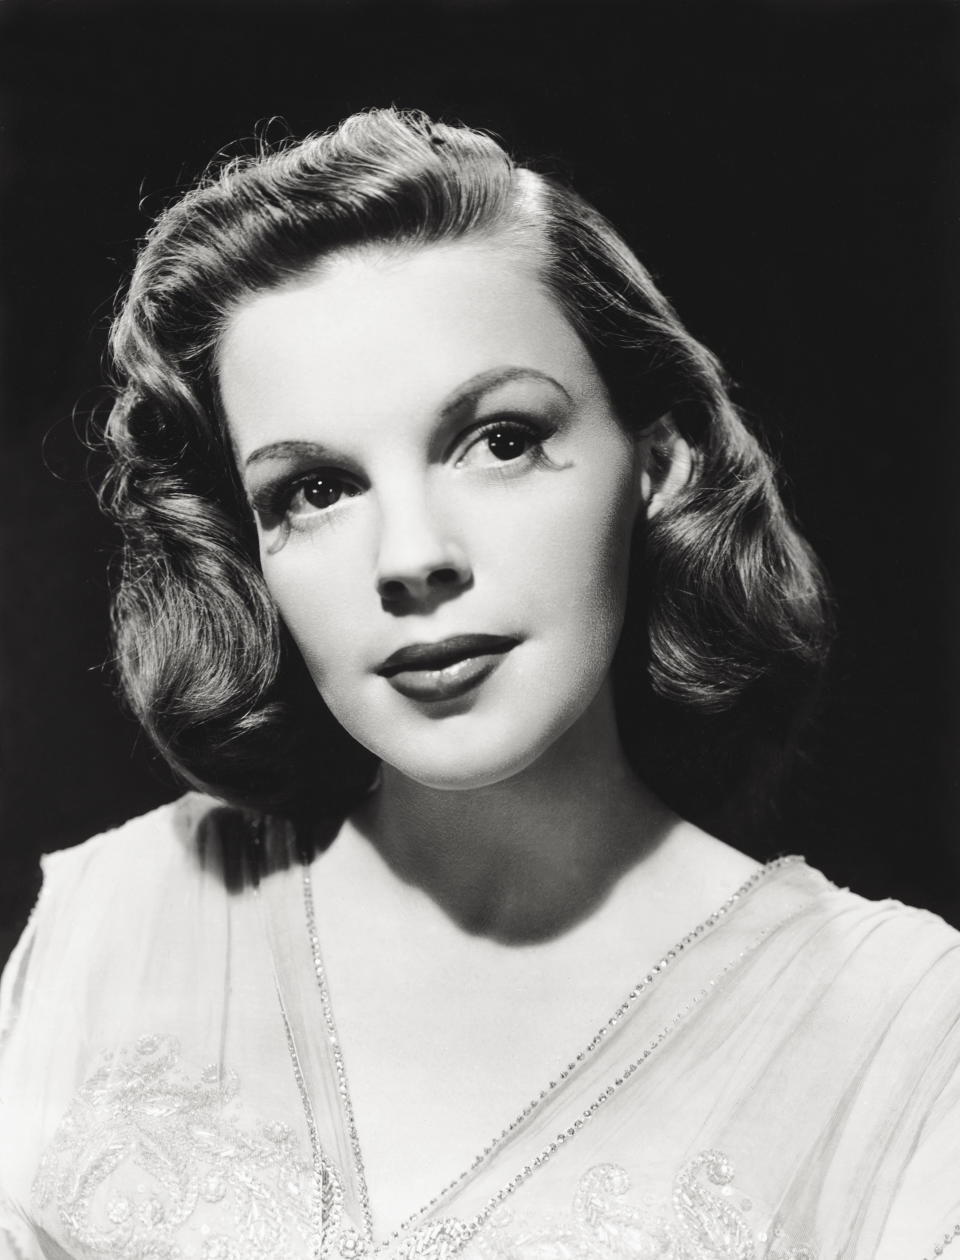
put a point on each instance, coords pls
(473, 389)
(287, 450)
(465, 395)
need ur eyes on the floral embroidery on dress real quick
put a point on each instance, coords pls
(148, 1165)
(709, 1220)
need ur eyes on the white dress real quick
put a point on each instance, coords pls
(784, 1084)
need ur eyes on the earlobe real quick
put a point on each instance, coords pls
(666, 464)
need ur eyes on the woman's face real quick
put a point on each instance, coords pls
(444, 502)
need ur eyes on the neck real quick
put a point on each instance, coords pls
(527, 858)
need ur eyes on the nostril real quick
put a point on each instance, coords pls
(392, 590)
(416, 582)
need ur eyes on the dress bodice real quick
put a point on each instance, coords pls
(784, 1083)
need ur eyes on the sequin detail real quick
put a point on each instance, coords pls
(494, 1146)
(949, 1236)
(708, 1219)
(150, 1165)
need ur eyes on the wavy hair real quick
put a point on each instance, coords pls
(727, 615)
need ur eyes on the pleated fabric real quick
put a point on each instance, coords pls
(785, 1084)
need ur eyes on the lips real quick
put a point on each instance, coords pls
(444, 670)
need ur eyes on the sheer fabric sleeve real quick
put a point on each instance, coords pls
(926, 1205)
(17, 1241)
(140, 1014)
(59, 1001)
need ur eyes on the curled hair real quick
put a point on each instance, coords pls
(726, 601)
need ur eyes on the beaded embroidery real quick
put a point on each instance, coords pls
(708, 1219)
(938, 1247)
(147, 1163)
(367, 1243)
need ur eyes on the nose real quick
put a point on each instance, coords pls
(419, 558)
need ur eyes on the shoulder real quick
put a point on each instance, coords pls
(895, 987)
(874, 985)
(840, 970)
(135, 930)
(848, 1021)
(156, 889)
(158, 835)
(89, 889)
(880, 928)
(194, 837)
(882, 947)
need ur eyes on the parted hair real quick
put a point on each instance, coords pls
(727, 619)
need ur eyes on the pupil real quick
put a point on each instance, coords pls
(321, 493)
(506, 445)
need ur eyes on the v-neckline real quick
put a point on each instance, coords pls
(372, 1245)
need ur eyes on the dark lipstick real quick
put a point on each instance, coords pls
(444, 670)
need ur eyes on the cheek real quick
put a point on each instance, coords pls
(317, 604)
(586, 549)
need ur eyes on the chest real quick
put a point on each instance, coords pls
(729, 1112)
(447, 1063)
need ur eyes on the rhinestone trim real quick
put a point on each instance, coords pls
(319, 1173)
(948, 1238)
(343, 1088)
(369, 1247)
(564, 1136)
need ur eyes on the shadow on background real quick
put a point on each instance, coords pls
(789, 172)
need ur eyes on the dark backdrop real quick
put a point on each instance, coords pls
(789, 172)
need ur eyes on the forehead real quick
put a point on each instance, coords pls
(372, 337)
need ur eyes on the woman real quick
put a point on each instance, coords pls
(437, 523)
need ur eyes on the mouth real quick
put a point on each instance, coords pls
(444, 670)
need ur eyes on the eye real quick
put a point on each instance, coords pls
(503, 441)
(318, 491)
(297, 499)
(508, 442)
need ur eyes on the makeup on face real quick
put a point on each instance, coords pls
(501, 420)
(447, 669)
(444, 500)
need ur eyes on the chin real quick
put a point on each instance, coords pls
(466, 746)
(460, 777)
(467, 765)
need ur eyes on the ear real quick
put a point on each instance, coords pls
(665, 461)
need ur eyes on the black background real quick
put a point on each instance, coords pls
(788, 170)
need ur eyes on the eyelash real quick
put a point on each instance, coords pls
(273, 501)
(536, 434)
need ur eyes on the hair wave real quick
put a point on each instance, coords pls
(727, 614)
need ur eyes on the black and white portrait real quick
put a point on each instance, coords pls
(479, 680)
